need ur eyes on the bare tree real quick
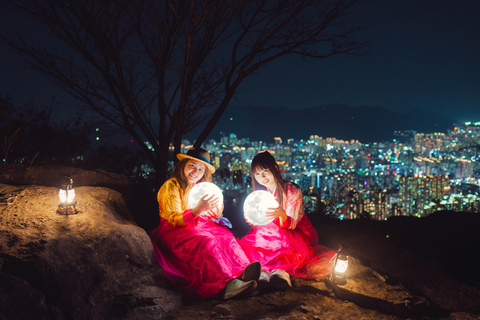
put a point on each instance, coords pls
(158, 69)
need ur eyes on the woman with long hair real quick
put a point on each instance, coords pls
(198, 255)
(288, 245)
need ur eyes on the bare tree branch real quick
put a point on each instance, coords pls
(160, 68)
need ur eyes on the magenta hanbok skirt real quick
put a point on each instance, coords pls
(199, 260)
(295, 251)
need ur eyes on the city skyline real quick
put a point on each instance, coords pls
(351, 180)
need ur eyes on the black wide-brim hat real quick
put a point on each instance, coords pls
(199, 154)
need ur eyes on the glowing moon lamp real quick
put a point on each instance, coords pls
(255, 206)
(200, 190)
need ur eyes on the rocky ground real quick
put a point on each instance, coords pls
(98, 264)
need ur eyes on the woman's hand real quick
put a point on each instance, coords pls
(207, 203)
(278, 212)
(214, 213)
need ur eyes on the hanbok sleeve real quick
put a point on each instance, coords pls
(172, 205)
(293, 205)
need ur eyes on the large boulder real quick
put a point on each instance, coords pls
(96, 264)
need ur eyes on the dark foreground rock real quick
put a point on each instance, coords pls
(98, 264)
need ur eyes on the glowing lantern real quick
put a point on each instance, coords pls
(255, 206)
(340, 267)
(202, 189)
(67, 196)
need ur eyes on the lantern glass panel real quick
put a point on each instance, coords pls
(341, 266)
(66, 198)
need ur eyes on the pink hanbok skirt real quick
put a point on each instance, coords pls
(199, 260)
(295, 251)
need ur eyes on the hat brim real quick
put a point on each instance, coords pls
(182, 156)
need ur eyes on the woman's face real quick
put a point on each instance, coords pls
(265, 178)
(194, 171)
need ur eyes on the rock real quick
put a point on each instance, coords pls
(19, 300)
(91, 265)
(371, 243)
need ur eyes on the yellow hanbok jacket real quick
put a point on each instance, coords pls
(173, 204)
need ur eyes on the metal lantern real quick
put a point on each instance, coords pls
(340, 267)
(67, 198)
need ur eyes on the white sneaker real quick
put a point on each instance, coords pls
(280, 280)
(264, 276)
(238, 287)
(264, 280)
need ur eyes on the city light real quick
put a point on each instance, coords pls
(413, 175)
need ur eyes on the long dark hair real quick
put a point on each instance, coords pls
(264, 160)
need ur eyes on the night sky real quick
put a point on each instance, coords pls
(424, 55)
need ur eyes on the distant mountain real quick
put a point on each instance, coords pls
(364, 123)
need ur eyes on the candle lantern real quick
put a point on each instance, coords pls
(67, 198)
(340, 267)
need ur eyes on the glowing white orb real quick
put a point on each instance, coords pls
(255, 206)
(200, 190)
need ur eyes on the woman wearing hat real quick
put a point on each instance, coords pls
(198, 255)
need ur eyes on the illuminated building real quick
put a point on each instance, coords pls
(463, 169)
(384, 179)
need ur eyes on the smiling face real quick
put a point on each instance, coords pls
(266, 172)
(266, 178)
(194, 171)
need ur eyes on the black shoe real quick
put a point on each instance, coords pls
(252, 271)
